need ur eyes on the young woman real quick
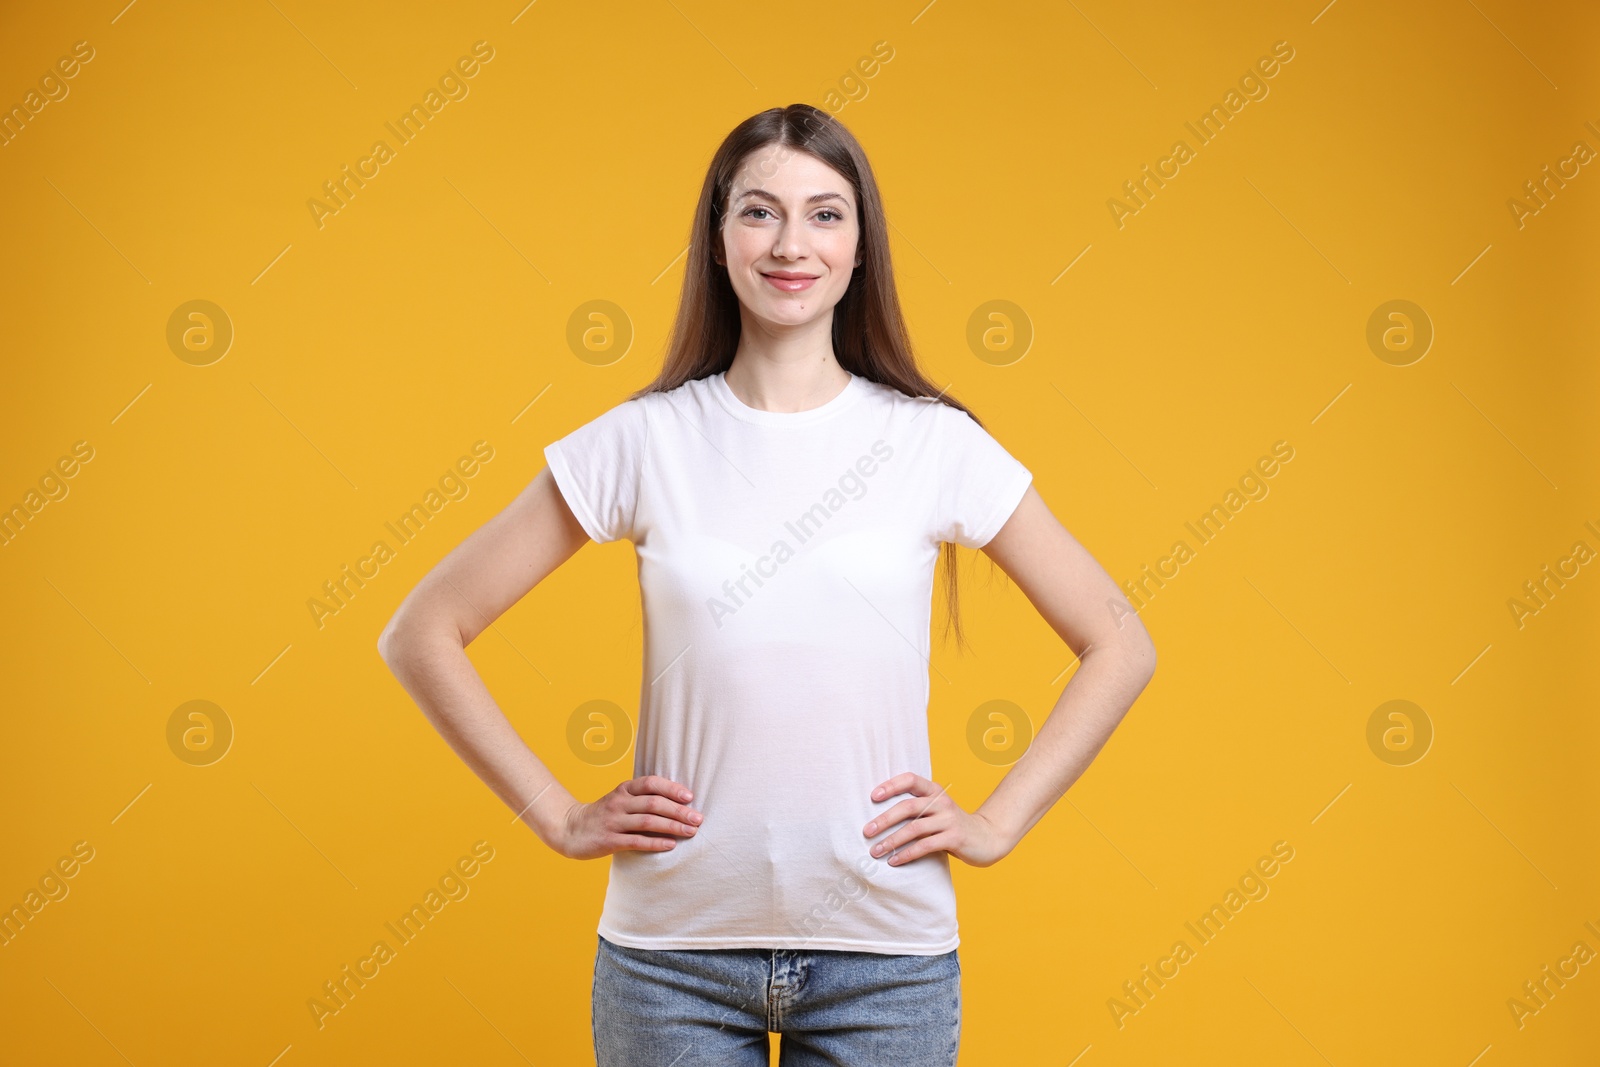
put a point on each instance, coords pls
(780, 859)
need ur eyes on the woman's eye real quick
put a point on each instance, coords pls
(834, 216)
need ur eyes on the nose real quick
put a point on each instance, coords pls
(790, 241)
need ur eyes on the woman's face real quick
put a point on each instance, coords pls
(789, 236)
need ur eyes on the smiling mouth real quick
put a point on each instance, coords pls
(790, 285)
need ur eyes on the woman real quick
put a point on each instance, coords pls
(780, 860)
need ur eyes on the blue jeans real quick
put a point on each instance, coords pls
(715, 1007)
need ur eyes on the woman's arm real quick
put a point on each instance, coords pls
(425, 642)
(1082, 603)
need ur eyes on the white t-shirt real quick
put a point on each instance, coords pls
(786, 567)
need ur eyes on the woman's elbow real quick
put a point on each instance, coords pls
(397, 639)
(1139, 652)
(1147, 661)
(1144, 653)
(410, 636)
(388, 642)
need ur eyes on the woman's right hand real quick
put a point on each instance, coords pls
(645, 814)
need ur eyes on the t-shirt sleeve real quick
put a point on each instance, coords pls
(598, 468)
(980, 483)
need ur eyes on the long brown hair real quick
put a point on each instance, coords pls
(869, 332)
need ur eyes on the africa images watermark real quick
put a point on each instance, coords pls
(802, 528)
(339, 991)
(849, 886)
(852, 85)
(1538, 993)
(1537, 592)
(1252, 86)
(1252, 886)
(1542, 189)
(22, 914)
(1252, 486)
(53, 486)
(452, 86)
(53, 87)
(337, 592)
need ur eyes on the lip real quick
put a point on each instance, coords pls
(789, 281)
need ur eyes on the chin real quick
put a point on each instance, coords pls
(778, 318)
(810, 300)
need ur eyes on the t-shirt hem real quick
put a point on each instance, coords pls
(567, 483)
(1005, 505)
(889, 948)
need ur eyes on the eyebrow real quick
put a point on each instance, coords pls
(814, 198)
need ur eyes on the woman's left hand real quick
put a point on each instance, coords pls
(931, 821)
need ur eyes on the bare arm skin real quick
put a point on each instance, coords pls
(425, 643)
(1082, 603)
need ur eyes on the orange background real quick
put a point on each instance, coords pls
(432, 311)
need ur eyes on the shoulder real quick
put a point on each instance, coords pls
(624, 426)
(928, 425)
(937, 418)
(923, 409)
(693, 395)
(957, 424)
(639, 411)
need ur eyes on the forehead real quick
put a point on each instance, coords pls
(789, 174)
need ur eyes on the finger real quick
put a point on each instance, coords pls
(900, 783)
(911, 831)
(634, 823)
(905, 782)
(920, 847)
(906, 809)
(922, 803)
(655, 783)
(938, 796)
(661, 806)
(637, 843)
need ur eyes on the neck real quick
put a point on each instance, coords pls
(786, 372)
